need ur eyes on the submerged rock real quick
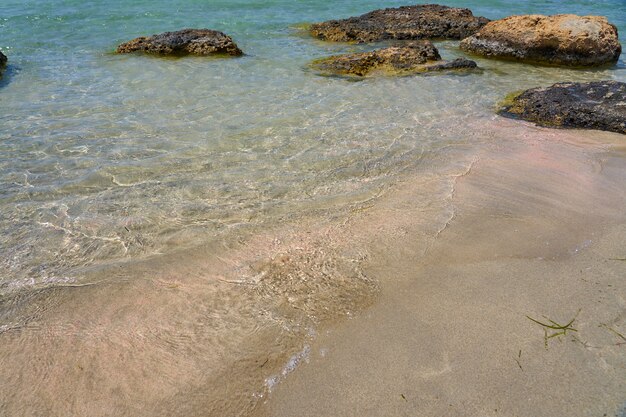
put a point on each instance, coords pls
(184, 42)
(429, 21)
(3, 60)
(556, 40)
(596, 105)
(421, 56)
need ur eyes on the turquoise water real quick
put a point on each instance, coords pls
(106, 157)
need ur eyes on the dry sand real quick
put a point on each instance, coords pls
(538, 230)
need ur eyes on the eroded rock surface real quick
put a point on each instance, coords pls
(3, 60)
(184, 42)
(419, 56)
(555, 40)
(429, 21)
(596, 105)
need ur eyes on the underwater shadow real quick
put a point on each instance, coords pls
(7, 74)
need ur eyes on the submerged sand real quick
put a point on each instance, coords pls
(538, 231)
(412, 303)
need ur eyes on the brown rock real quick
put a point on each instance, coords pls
(429, 21)
(421, 56)
(555, 40)
(184, 42)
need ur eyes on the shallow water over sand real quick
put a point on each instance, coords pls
(175, 232)
(108, 158)
(215, 330)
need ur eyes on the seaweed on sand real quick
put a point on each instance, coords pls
(560, 329)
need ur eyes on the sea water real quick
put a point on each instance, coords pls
(107, 157)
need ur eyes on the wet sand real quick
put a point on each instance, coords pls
(538, 230)
(411, 303)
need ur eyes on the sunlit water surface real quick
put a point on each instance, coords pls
(106, 157)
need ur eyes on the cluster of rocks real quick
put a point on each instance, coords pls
(415, 24)
(569, 40)
(563, 40)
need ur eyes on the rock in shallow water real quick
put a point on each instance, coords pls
(555, 40)
(3, 60)
(596, 105)
(421, 56)
(428, 21)
(184, 42)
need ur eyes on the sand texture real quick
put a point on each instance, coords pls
(538, 230)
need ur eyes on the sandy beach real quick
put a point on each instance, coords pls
(402, 305)
(269, 208)
(538, 231)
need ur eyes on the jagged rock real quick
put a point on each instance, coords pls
(596, 105)
(429, 21)
(184, 42)
(3, 59)
(420, 56)
(555, 40)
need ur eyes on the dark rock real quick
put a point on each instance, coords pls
(413, 57)
(459, 63)
(554, 40)
(596, 105)
(429, 21)
(3, 63)
(184, 42)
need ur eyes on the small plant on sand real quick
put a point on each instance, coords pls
(554, 327)
(615, 332)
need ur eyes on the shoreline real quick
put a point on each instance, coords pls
(538, 233)
(232, 326)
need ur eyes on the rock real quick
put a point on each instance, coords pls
(3, 62)
(420, 56)
(429, 21)
(459, 63)
(595, 105)
(184, 42)
(555, 40)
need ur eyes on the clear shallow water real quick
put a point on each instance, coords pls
(106, 157)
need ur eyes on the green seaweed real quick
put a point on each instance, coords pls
(508, 101)
(562, 329)
(519, 357)
(302, 25)
(615, 332)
